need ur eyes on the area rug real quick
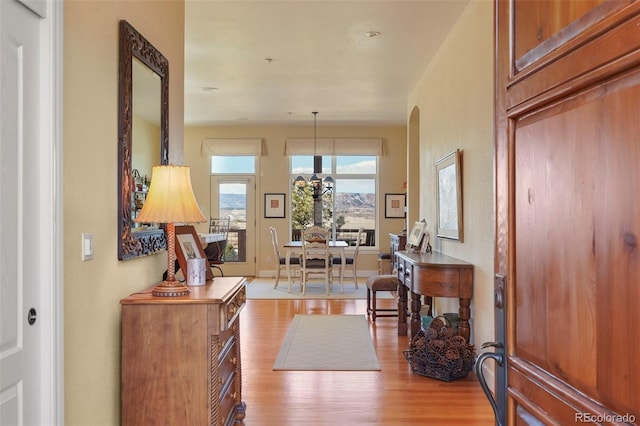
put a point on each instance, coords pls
(328, 342)
(262, 288)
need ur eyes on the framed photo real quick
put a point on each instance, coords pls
(415, 236)
(274, 205)
(188, 247)
(449, 196)
(394, 205)
(425, 247)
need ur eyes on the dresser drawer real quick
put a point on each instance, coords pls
(227, 361)
(231, 310)
(225, 336)
(437, 283)
(405, 270)
(228, 401)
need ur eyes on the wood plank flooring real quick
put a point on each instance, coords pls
(393, 396)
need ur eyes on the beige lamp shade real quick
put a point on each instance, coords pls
(170, 197)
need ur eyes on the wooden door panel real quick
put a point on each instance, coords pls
(543, 25)
(583, 61)
(568, 209)
(577, 216)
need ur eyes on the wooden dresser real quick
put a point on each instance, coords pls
(181, 356)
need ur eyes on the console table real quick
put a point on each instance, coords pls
(181, 356)
(432, 275)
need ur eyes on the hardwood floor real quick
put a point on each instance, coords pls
(393, 396)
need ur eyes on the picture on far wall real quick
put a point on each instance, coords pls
(394, 205)
(449, 196)
(274, 205)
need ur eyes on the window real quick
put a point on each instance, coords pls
(350, 205)
(238, 164)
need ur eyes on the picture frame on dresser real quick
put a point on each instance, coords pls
(188, 246)
(425, 246)
(449, 196)
(414, 238)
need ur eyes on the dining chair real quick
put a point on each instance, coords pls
(281, 261)
(350, 260)
(215, 250)
(315, 257)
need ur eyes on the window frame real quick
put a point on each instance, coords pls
(331, 171)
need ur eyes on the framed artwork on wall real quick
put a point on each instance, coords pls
(449, 196)
(394, 205)
(274, 205)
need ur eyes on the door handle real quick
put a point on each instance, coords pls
(498, 357)
(32, 316)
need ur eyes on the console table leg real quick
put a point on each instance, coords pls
(416, 321)
(402, 310)
(464, 329)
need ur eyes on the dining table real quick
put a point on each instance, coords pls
(205, 239)
(336, 247)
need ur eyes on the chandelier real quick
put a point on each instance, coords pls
(319, 186)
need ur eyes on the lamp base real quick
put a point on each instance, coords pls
(170, 289)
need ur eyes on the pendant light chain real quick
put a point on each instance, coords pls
(315, 138)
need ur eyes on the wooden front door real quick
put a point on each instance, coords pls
(568, 209)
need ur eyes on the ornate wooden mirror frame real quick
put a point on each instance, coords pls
(133, 44)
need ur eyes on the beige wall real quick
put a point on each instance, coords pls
(455, 101)
(273, 176)
(92, 289)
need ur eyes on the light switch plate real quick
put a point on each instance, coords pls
(87, 247)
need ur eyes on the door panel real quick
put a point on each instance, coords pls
(19, 186)
(568, 216)
(234, 196)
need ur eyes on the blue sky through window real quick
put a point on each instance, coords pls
(345, 165)
(233, 164)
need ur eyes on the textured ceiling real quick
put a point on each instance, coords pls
(321, 59)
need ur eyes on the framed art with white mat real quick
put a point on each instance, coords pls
(394, 205)
(449, 196)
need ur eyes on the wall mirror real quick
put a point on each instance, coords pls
(143, 138)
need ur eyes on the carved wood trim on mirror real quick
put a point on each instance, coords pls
(134, 45)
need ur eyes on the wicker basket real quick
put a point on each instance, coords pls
(439, 353)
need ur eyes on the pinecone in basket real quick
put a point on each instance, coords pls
(458, 340)
(453, 353)
(419, 342)
(431, 333)
(436, 345)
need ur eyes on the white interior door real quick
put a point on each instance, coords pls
(234, 196)
(24, 316)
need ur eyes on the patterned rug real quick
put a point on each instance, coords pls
(262, 288)
(328, 342)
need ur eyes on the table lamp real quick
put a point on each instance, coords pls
(170, 200)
